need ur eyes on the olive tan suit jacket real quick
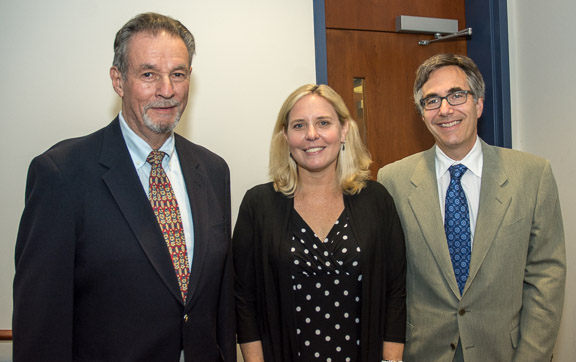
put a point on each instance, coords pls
(512, 303)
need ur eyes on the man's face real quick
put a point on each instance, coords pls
(454, 127)
(155, 89)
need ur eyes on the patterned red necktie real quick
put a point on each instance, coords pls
(167, 212)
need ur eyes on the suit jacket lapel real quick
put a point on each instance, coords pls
(424, 201)
(125, 187)
(493, 205)
(199, 195)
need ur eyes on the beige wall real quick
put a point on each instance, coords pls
(54, 84)
(543, 76)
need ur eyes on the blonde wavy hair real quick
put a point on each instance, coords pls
(352, 169)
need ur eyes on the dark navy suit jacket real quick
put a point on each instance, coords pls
(94, 280)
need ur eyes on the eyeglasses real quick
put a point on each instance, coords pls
(454, 99)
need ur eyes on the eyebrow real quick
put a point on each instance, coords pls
(146, 66)
(451, 90)
(317, 118)
(320, 118)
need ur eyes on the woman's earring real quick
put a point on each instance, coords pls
(343, 145)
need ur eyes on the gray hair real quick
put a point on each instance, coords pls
(152, 23)
(475, 80)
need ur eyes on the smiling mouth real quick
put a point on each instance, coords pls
(314, 149)
(449, 124)
(162, 108)
(163, 104)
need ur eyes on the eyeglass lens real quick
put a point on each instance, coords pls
(454, 99)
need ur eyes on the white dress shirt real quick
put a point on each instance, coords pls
(471, 180)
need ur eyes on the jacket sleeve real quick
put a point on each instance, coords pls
(44, 260)
(244, 246)
(395, 263)
(226, 315)
(545, 276)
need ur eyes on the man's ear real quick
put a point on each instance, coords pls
(479, 107)
(117, 81)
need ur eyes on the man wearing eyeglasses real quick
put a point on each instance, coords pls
(484, 235)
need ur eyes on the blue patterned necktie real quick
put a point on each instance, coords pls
(457, 225)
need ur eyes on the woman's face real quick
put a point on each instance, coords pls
(314, 134)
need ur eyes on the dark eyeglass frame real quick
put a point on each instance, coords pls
(449, 98)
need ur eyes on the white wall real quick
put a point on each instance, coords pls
(54, 85)
(543, 77)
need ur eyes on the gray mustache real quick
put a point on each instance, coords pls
(163, 104)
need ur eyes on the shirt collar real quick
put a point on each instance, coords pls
(139, 149)
(473, 160)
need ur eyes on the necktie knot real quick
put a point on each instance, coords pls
(155, 157)
(457, 171)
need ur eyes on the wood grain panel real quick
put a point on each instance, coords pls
(388, 62)
(380, 15)
(5, 334)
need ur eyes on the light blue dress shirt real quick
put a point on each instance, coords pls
(139, 151)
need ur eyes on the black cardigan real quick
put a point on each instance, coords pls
(264, 300)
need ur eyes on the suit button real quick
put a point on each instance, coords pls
(453, 346)
(185, 318)
(462, 311)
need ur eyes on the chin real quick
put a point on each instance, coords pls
(161, 127)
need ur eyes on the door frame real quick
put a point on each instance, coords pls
(488, 46)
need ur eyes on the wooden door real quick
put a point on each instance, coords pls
(361, 43)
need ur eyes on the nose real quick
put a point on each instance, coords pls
(165, 88)
(445, 107)
(311, 133)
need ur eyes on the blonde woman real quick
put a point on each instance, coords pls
(319, 251)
